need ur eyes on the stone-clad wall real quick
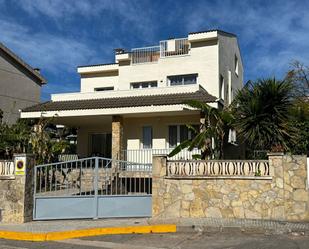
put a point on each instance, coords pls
(16, 196)
(284, 197)
(11, 200)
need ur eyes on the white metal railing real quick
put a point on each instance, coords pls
(145, 155)
(215, 168)
(174, 47)
(7, 168)
(145, 54)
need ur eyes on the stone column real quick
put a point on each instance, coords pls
(158, 174)
(117, 137)
(296, 193)
(277, 173)
(18, 197)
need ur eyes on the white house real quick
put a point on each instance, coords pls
(134, 107)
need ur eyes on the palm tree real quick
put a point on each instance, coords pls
(209, 137)
(261, 111)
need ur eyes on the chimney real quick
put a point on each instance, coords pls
(119, 50)
(38, 70)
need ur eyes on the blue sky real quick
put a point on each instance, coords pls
(59, 35)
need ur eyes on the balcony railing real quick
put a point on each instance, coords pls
(7, 168)
(145, 55)
(173, 47)
(218, 168)
(145, 155)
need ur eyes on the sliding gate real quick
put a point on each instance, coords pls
(92, 188)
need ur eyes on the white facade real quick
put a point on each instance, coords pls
(208, 60)
(210, 55)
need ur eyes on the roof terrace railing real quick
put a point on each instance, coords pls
(145, 55)
(167, 48)
(174, 47)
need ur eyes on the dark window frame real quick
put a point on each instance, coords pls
(140, 85)
(182, 133)
(102, 89)
(147, 144)
(183, 79)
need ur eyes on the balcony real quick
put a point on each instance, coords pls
(167, 48)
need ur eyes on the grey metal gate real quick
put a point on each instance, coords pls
(92, 188)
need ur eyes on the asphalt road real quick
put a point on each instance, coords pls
(180, 240)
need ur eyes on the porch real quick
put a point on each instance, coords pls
(132, 138)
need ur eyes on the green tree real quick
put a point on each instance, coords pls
(261, 111)
(14, 138)
(298, 75)
(211, 133)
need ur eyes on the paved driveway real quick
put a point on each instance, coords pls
(232, 239)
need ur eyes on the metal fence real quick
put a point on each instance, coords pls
(91, 187)
(7, 168)
(90, 175)
(145, 54)
(174, 47)
(213, 168)
(145, 155)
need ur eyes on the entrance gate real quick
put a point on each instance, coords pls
(93, 187)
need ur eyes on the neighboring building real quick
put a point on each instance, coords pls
(134, 107)
(20, 85)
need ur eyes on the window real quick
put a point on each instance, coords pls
(221, 87)
(100, 145)
(236, 65)
(147, 137)
(101, 89)
(172, 134)
(147, 84)
(179, 133)
(178, 80)
(184, 133)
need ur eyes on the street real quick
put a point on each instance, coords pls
(227, 239)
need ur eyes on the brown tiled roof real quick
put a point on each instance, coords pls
(21, 62)
(119, 102)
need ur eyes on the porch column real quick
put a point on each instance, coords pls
(117, 137)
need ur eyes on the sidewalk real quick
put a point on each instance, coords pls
(68, 229)
(68, 225)
(64, 229)
(204, 224)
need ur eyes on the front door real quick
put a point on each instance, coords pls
(101, 145)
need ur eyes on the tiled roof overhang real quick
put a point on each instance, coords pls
(121, 102)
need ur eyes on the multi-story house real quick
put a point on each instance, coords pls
(20, 85)
(134, 107)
